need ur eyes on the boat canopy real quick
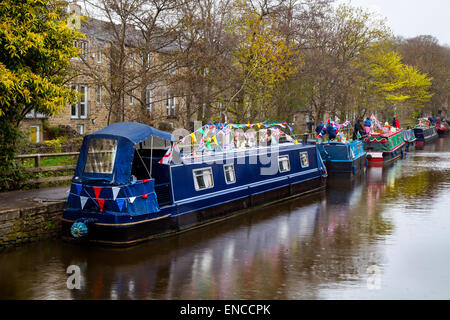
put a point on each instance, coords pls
(107, 155)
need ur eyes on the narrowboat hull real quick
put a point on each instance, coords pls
(128, 234)
(349, 168)
(380, 159)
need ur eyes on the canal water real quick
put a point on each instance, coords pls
(385, 235)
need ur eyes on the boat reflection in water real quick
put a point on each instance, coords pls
(282, 251)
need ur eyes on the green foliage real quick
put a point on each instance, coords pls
(390, 82)
(56, 143)
(35, 50)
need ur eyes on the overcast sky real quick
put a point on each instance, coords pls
(410, 18)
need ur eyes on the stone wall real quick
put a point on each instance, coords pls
(18, 226)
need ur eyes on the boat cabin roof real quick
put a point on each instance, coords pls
(132, 131)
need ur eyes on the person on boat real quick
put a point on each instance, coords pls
(319, 127)
(367, 125)
(396, 123)
(331, 130)
(358, 129)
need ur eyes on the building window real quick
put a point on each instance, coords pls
(80, 109)
(149, 100)
(74, 109)
(283, 164)
(99, 57)
(83, 102)
(203, 179)
(99, 94)
(304, 161)
(81, 129)
(170, 104)
(131, 97)
(83, 47)
(131, 59)
(149, 60)
(230, 177)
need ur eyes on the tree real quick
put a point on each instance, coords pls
(262, 61)
(35, 50)
(425, 53)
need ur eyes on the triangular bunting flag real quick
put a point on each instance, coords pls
(131, 199)
(120, 203)
(78, 186)
(97, 191)
(83, 201)
(115, 191)
(101, 202)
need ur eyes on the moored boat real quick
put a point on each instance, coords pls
(442, 128)
(343, 158)
(425, 132)
(134, 183)
(384, 148)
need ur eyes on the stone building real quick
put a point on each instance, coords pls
(142, 95)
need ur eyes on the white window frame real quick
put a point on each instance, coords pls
(307, 156)
(81, 129)
(197, 188)
(225, 173)
(83, 103)
(280, 158)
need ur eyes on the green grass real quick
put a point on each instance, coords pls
(52, 161)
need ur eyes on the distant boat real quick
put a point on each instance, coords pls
(126, 189)
(425, 134)
(384, 148)
(343, 158)
(442, 128)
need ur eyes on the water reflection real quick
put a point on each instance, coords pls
(313, 247)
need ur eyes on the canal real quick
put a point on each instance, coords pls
(385, 235)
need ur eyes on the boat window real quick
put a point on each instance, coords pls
(283, 164)
(101, 156)
(304, 161)
(230, 177)
(203, 179)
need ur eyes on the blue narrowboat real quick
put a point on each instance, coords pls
(343, 158)
(425, 134)
(124, 192)
(410, 139)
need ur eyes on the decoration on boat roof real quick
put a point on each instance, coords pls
(385, 129)
(210, 132)
(332, 128)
